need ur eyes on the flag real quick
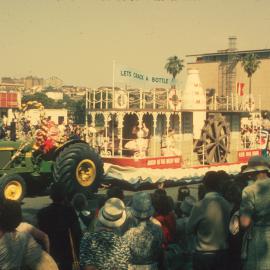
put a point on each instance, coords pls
(240, 89)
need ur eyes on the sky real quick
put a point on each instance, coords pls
(78, 40)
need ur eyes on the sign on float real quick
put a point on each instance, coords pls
(126, 74)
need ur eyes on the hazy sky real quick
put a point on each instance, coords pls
(77, 40)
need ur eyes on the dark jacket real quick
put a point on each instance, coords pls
(56, 220)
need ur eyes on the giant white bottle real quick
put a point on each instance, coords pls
(193, 98)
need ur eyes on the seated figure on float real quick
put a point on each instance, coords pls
(140, 141)
(47, 137)
(170, 142)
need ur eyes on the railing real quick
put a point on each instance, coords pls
(233, 103)
(161, 99)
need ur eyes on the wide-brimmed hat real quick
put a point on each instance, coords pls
(141, 206)
(257, 164)
(187, 205)
(248, 170)
(113, 213)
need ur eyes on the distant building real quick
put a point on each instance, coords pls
(8, 80)
(31, 82)
(74, 92)
(222, 71)
(53, 82)
(9, 100)
(55, 94)
(57, 115)
(69, 90)
(15, 87)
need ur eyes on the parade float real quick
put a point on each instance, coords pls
(38, 158)
(152, 135)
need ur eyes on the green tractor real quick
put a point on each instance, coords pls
(26, 170)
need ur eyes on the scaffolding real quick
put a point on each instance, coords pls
(227, 70)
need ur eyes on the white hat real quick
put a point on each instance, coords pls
(113, 213)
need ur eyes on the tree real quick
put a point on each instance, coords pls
(80, 111)
(250, 63)
(174, 66)
(39, 97)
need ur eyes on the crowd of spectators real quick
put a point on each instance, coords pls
(226, 227)
(21, 128)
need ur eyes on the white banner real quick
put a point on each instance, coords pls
(124, 74)
(140, 175)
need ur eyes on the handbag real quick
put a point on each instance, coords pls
(75, 262)
(245, 244)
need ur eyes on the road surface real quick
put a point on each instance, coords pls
(30, 206)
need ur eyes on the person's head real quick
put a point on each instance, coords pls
(58, 192)
(183, 192)
(211, 182)
(187, 205)
(141, 206)
(233, 194)
(160, 192)
(257, 168)
(224, 181)
(112, 214)
(115, 192)
(161, 203)
(223, 176)
(10, 215)
(79, 201)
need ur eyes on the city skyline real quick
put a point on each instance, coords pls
(78, 40)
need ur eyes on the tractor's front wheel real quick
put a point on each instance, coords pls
(12, 187)
(79, 167)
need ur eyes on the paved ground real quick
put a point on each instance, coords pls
(32, 205)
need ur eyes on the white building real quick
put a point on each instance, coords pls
(55, 95)
(57, 115)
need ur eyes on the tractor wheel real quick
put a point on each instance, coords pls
(79, 167)
(12, 187)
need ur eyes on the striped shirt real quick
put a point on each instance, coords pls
(19, 250)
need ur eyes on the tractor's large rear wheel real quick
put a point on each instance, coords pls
(79, 167)
(12, 187)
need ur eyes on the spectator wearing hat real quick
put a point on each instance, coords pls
(181, 223)
(209, 222)
(145, 240)
(104, 249)
(19, 250)
(60, 222)
(255, 216)
(185, 241)
(112, 192)
(80, 204)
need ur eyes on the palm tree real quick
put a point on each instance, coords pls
(174, 66)
(250, 63)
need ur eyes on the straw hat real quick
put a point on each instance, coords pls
(141, 206)
(113, 213)
(257, 164)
